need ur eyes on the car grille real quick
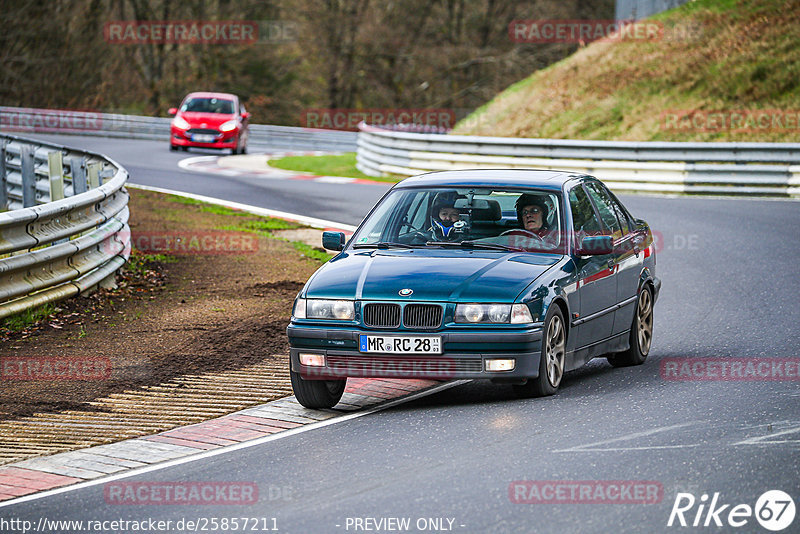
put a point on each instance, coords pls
(382, 315)
(207, 131)
(394, 366)
(387, 315)
(422, 316)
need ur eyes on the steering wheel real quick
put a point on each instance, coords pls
(523, 233)
(415, 237)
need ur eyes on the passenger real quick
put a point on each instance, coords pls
(446, 223)
(532, 212)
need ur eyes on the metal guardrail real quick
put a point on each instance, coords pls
(262, 136)
(66, 232)
(762, 169)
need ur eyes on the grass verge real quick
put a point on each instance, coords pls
(716, 60)
(338, 165)
(21, 321)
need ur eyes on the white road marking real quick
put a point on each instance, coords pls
(334, 180)
(186, 164)
(594, 447)
(310, 221)
(765, 440)
(225, 450)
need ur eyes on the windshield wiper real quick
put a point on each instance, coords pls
(470, 244)
(384, 244)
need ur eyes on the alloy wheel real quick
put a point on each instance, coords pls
(644, 321)
(554, 351)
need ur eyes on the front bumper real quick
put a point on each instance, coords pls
(224, 140)
(464, 354)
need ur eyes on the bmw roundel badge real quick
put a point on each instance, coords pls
(405, 292)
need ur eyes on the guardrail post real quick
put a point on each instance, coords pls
(94, 175)
(78, 167)
(55, 164)
(28, 176)
(3, 179)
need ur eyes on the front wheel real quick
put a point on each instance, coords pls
(641, 336)
(317, 393)
(551, 362)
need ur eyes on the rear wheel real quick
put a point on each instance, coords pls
(551, 362)
(317, 393)
(641, 336)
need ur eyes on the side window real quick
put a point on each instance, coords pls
(604, 208)
(584, 220)
(614, 203)
(417, 212)
(623, 215)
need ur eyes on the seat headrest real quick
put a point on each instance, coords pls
(492, 213)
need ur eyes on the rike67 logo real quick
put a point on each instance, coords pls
(774, 510)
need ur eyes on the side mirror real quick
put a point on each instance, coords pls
(172, 111)
(596, 245)
(333, 240)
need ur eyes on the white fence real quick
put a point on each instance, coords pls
(761, 169)
(262, 136)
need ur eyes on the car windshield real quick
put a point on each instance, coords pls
(477, 218)
(208, 105)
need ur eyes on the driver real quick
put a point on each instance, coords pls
(532, 214)
(446, 223)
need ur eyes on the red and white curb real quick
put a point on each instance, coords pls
(211, 165)
(39, 477)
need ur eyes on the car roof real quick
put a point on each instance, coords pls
(545, 179)
(203, 94)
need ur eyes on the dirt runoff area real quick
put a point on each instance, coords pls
(208, 290)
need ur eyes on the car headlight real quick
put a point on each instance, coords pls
(228, 126)
(181, 123)
(341, 310)
(493, 313)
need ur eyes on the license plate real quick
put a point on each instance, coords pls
(203, 138)
(400, 344)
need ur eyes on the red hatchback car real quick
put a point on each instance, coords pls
(210, 120)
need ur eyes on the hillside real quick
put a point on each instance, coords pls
(715, 55)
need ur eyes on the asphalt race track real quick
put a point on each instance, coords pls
(151, 163)
(730, 290)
